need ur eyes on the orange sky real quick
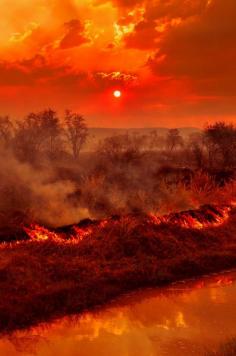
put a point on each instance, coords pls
(173, 60)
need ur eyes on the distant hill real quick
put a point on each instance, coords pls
(98, 134)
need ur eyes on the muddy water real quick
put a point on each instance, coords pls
(182, 319)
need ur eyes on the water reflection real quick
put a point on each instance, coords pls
(179, 320)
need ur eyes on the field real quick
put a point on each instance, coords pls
(46, 278)
(139, 190)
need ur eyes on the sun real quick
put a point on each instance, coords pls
(117, 93)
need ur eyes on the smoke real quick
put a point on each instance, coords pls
(120, 178)
(36, 193)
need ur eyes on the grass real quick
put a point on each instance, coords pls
(45, 280)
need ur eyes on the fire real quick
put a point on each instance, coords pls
(204, 217)
(69, 234)
(39, 233)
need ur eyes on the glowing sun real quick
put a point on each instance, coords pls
(117, 93)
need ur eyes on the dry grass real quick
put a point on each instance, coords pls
(45, 280)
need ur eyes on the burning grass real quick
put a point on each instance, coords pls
(48, 273)
(205, 216)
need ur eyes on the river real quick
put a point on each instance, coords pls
(186, 318)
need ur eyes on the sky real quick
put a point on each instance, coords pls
(174, 61)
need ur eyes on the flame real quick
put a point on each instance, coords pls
(204, 217)
(73, 234)
(225, 281)
(40, 233)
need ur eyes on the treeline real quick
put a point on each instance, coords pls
(213, 147)
(48, 175)
(44, 134)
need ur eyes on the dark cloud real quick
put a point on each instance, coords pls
(143, 37)
(11, 75)
(38, 70)
(74, 36)
(158, 15)
(170, 9)
(202, 49)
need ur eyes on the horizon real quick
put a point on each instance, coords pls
(144, 128)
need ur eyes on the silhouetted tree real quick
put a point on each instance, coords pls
(76, 132)
(220, 139)
(51, 129)
(28, 137)
(37, 132)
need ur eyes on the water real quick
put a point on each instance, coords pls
(183, 319)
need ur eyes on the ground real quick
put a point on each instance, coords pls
(45, 279)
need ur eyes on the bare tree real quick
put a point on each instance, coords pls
(76, 131)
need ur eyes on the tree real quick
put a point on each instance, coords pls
(51, 130)
(6, 130)
(76, 131)
(28, 137)
(220, 139)
(37, 132)
(121, 148)
(174, 139)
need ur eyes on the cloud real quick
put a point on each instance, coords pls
(170, 9)
(22, 36)
(115, 79)
(143, 37)
(75, 35)
(176, 57)
(202, 49)
(38, 70)
(158, 18)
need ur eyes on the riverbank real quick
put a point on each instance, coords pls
(44, 279)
